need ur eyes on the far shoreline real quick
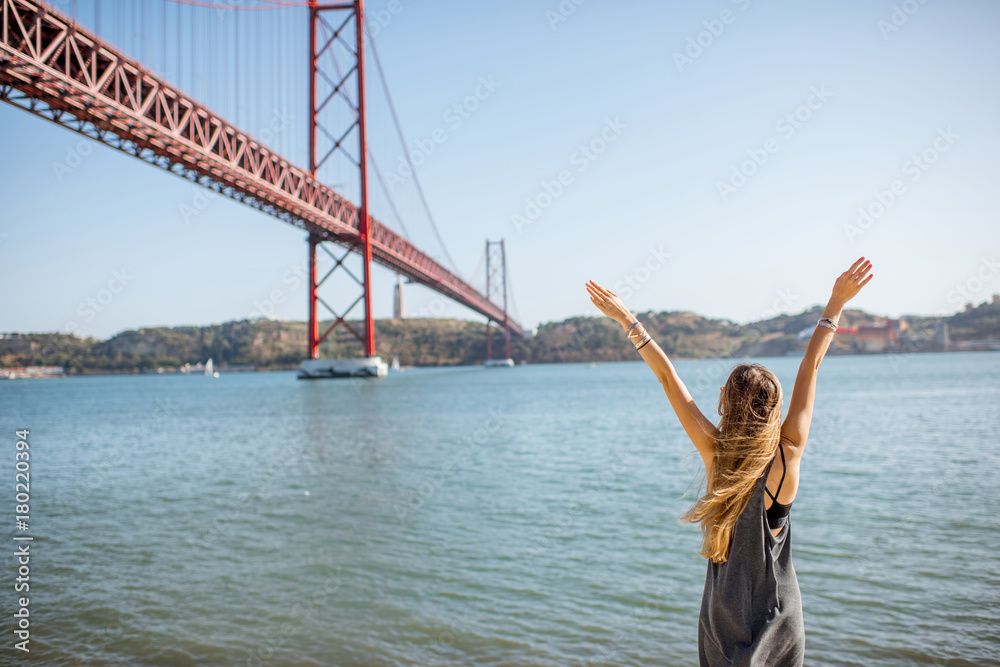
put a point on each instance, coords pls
(223, 371)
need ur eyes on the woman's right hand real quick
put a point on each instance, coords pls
(609, 304)
(851, 281)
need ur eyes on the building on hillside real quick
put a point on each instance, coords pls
(879, 335)
(874, 339)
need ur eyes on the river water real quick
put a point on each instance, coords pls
(472, 516)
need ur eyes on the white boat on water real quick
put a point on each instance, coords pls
(210, 369)
(395, 365)
(499, 363)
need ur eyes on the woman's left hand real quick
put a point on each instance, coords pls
(609, 303)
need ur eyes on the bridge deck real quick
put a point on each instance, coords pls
(58, 71)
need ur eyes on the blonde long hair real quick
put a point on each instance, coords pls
(749, 432)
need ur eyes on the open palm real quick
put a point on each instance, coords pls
(608, 302)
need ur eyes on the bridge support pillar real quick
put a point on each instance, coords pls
(496, 286)
(335, 60)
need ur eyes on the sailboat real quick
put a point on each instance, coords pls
(395, 364)
(210, 369)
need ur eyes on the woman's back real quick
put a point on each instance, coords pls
(751, 610)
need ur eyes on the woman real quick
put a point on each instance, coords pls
(751, 610)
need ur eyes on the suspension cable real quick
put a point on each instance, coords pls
(474, 276)
(392, 204)
(510, 293)
(402, 140)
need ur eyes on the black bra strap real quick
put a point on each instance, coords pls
(784, 469)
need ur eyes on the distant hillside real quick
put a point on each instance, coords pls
(600, 339)
(976, 323)
(269, 344)
(265, 344)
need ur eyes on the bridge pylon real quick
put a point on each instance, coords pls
(336, 61)
(496, 291)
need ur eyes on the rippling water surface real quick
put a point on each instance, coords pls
(471, 516)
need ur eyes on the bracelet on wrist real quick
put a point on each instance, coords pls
(637, 335)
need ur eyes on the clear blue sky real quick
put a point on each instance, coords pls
(678, 129)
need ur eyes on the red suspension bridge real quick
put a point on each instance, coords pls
(56, 69)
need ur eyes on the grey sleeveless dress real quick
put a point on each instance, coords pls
(751, 610)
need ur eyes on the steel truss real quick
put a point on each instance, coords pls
(57, 70)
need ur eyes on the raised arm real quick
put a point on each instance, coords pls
(696, 425)
(795, 429)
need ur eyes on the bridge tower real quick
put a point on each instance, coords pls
(336, 65)
(496, 291)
